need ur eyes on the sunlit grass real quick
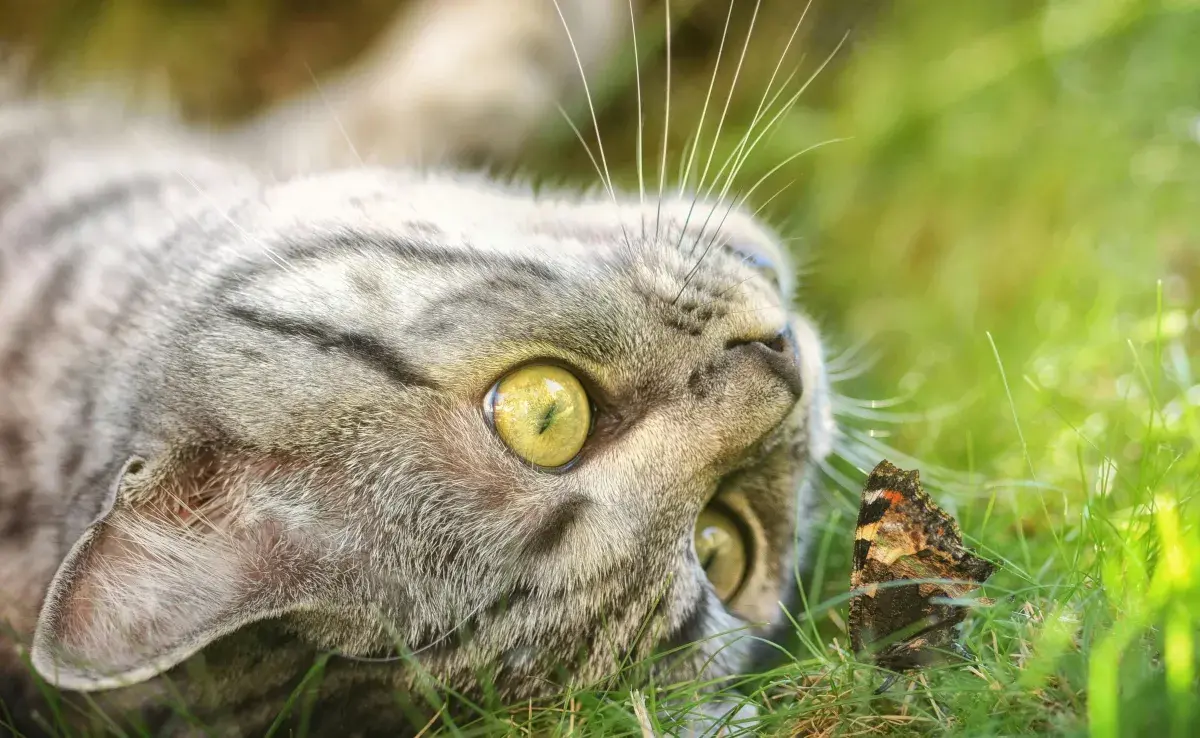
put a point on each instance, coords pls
(1010, 220)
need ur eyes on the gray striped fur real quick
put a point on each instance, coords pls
(241, 426)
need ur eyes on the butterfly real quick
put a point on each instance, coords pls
(903, 535)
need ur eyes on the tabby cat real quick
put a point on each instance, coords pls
(258, 408)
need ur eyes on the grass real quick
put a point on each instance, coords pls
(1008, 233)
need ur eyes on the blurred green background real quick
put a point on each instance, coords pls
(1006, 234)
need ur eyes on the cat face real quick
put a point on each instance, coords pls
(432, 416)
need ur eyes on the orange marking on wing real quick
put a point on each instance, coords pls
(893, 496)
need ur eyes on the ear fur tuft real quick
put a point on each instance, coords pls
(181, 558)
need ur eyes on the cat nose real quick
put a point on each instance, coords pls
(780, 354)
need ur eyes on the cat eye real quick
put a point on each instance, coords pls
(721, 548)
(542, 413)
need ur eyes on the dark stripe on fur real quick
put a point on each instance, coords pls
(14, 365)
(314, 246)
(14, 515)
(21, 162)
(364, 348)
(13, 445)
(95, 203)
(14, 525)
(79, 440)
(495, 292)
(40, 319)
(554, 527)
(508, 297)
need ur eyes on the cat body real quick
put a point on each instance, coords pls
(449, 81)
(244, 429)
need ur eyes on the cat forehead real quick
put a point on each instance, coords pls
(429, 265)
(341, 232)
(471, 211)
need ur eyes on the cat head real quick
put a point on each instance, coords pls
(426, 415)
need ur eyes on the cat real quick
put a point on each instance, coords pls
(264, 403)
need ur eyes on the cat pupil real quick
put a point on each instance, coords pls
(548, 418)
(712, 542)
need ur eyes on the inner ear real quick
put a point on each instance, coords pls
(186, 554)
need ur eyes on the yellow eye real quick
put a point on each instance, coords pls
(721, 549)
(542, 413)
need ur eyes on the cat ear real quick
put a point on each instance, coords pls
(181, 558)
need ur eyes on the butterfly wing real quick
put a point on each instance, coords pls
(903, 535)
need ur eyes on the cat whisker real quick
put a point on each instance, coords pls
(740, 161)
(696, 267)
(724, 192)
(662, 168)
(939, 476)
(712, 241)
(721, 123)
(727, 290)
(860, 460)
(729, 97)
(831, 472)
(777, 193)
(587, 149)
(333, 114)
(772, 306)
(270, 252)
(789, 160)
(896, 418)
(723, 173)
(846, 400)
(770, 84)
(687, 171)
(847, 357)
(688, 145)
(737, 155)
(641, 121)
(864, 447)
(588, 94)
